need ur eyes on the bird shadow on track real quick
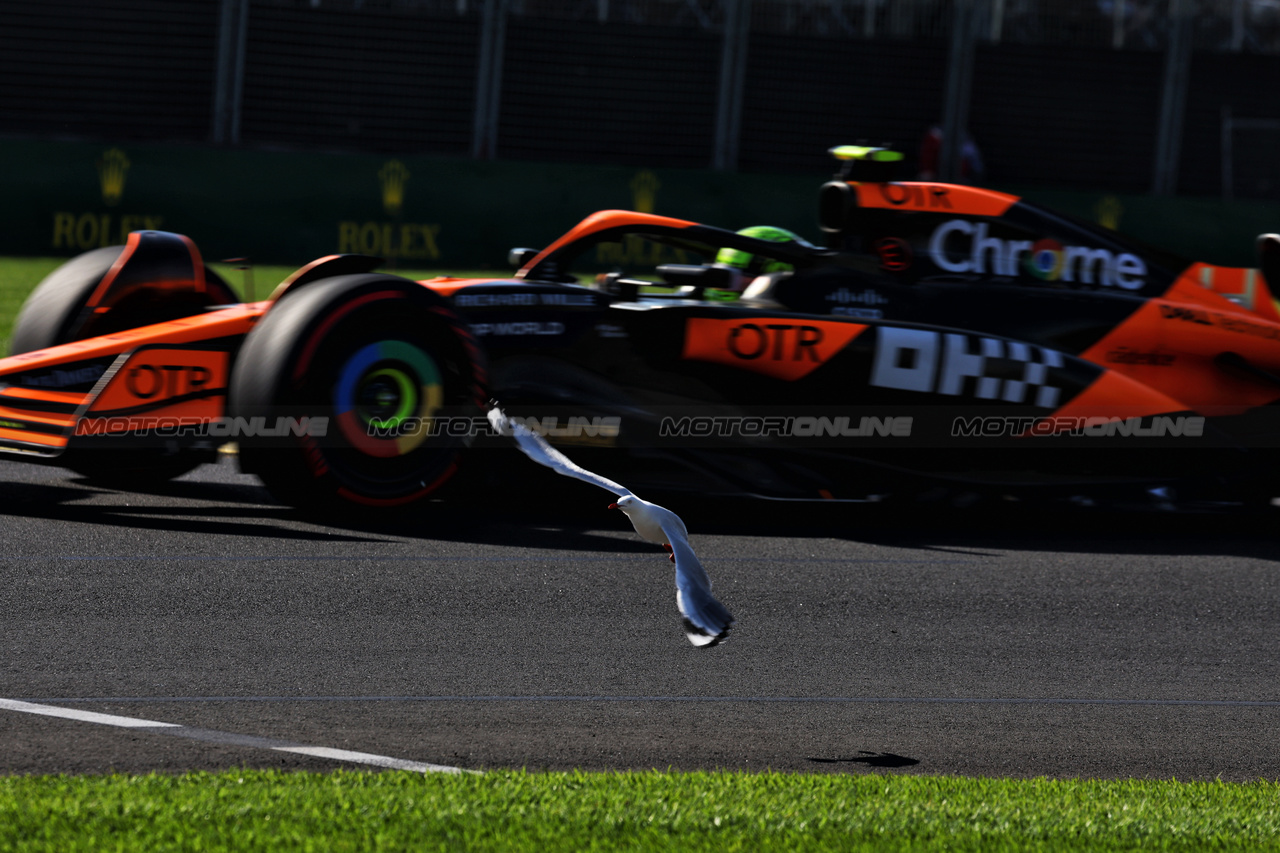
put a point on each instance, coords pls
(871, 759)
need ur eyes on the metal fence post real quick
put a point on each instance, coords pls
(228, 78)
(1228, 167)
(1237, 26)
(1177, 71)
(733, 73)
(493, 37)
(955, 110)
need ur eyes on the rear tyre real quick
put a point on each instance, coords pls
(356, 375)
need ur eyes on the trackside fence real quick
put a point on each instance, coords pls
(1164, 96)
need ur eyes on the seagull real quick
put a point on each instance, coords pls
(706, 620)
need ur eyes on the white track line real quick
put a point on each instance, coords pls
(709, 700)
(429, 558)
(367, 758)
(82, 716)
(224, 738)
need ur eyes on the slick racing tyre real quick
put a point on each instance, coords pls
(340, 393)
(58, 310)
(154, 284)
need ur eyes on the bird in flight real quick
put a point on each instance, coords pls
(706, 620)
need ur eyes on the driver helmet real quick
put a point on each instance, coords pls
(750, 265)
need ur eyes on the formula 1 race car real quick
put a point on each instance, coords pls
(945, 335)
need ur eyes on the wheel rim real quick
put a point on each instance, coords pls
(386, 398)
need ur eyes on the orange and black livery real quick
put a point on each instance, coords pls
(940, 334)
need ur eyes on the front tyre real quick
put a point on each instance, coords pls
(351, 393)
(156, 278)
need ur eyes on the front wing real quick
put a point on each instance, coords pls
(168, 378)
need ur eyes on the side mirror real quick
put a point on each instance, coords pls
(699, 277)
(519, 257)
(836, 202)
(619, 285)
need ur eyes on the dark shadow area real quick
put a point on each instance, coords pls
(973, 530)
(538, 509)
(59, 495)
(564, 518)
(871, 759)
(199, 490)
(59, 503)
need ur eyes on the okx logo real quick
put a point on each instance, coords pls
(956, 365)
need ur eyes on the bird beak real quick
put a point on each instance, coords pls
(613, 506)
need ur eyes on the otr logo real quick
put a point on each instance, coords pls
(148, 380)
(780, 340)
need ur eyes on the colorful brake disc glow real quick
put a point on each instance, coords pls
(385, 398)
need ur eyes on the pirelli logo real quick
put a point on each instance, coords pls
(781, 347)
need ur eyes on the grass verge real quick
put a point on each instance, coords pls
(506, 810)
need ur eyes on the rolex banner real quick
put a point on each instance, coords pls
(419, 213)
(432, 213)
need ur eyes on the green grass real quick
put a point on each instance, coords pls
(505, 810)
(17, 278)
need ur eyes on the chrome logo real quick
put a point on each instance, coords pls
(1045, 260)
(962, 246)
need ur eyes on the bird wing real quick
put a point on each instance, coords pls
(706, 620)
(537, 449)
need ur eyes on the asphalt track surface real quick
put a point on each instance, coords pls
(538, 631)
